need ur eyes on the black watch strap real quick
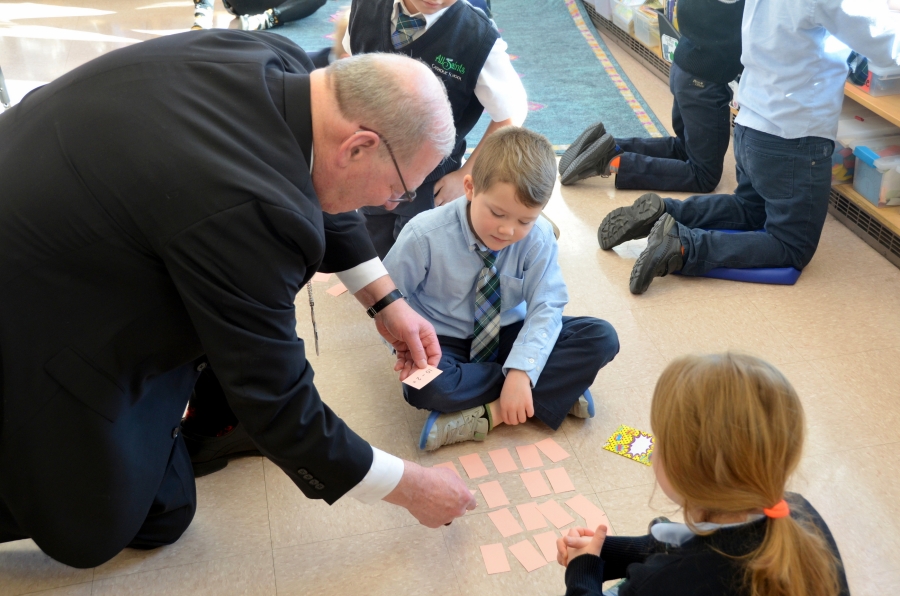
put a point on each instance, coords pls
(381, 304)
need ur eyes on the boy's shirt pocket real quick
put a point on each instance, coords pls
(512, 292)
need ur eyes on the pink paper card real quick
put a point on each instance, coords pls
(535, 484)
(422, 376)
(449, 465)
(559, 480)
(547, 543)
(531, 516)
(321, 277)
(556, 514)
(527, 556)
(529, 456)
(493, 494)
(473, 465)
(503, 461)
(552, 450)
(505, 522)
(337, 290)
(593, 515)
(495, 560)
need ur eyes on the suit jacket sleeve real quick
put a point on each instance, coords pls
(347, 242)
(238, 272)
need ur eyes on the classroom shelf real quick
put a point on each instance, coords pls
(653, 62)
(887, 106)
(878, 226)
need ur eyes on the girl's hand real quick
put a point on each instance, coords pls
(580, 541)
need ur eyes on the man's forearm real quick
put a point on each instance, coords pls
(375, 291)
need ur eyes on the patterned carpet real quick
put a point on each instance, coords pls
(571, 78)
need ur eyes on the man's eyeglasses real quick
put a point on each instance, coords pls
(408, 196)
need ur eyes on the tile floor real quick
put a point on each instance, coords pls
(836, 335)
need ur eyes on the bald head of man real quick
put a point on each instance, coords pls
(365, 108)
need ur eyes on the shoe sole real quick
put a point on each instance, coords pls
(585, 165)
(426, 429)
(590, 134)
(632, 222)
(641, 276)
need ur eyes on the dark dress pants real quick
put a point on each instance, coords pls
(692, 160)
(170, 514)
(292, 10)
(783, 188)
(585, 345)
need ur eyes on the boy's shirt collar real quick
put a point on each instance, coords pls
(429, 18)
(472, 241)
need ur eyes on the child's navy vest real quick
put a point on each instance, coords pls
(455, 48)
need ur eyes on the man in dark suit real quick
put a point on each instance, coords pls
(160, 207)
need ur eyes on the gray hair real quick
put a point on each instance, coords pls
(393, 95)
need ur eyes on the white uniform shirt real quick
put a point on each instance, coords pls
(499, 88)
(795, 63)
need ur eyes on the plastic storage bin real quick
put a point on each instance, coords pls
(646, 28)
(623, 14)
(603, 8)
(855, 126)
(877, 175)
(882, 81)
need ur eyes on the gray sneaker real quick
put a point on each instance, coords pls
(456, 427)
(584, 407)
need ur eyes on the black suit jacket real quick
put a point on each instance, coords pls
(156, 204)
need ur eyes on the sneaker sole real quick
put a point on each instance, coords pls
(590, 134)
(641, 276)
(584, 165)
(632, 222)
(426, 428)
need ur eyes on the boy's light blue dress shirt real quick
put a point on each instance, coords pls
(435, 265)
(794, 71)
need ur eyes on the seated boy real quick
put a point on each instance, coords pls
(484, 273)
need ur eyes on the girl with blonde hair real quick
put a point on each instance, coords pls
(728, 432)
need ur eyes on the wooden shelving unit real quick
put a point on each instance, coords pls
(638, 51)
(878, 226)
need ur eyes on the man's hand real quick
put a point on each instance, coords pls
(434, 496)
(516, 404)
(579, 541)
(449, 188)
(413, 338)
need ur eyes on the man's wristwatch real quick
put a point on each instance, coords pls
(384, 302)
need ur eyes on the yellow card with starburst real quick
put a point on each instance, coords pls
(631, 443)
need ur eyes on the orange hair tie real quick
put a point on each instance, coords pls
(778, 510)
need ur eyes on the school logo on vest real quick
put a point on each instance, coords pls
(448, 67)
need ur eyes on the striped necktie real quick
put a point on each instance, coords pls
(406, 29)
(486, 343)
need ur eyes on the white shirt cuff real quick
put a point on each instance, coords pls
(383, 477)
(362, 275)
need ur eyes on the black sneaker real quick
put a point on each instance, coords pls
(628, 223)
(593, 161)
(661, 257)
(211, 454)
(585, 139)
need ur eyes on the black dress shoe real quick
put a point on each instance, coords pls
(661, 257)
(593, 161)
(211, 454)
(629, 223)
(584, 140)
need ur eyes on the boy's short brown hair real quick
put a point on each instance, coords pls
(520, 157)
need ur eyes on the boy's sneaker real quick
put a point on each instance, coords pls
(585, 139)
(203, 15)
(584, 407)
(454, 427)
(629, 223)
(662, 256)
(593, 161)
(256, 22)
